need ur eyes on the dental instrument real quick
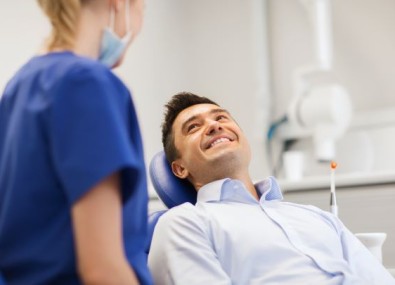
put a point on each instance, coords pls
(333, 202)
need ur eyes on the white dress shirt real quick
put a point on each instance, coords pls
(229, 237)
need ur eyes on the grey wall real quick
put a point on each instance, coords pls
(364, 44)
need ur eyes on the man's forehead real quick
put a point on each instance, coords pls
(198, 110)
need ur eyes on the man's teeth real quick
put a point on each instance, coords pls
(219, 141)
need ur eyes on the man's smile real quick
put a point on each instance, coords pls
(219, 139)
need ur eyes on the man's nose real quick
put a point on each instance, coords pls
(213, 127)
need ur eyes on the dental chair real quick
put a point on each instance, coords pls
(171, 190)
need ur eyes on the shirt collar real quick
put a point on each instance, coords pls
(234, 190)
(269, 189)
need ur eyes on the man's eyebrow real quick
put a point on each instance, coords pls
(194, 117)
(219, 110)
(183, 126)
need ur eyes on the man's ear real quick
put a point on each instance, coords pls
(179, 170)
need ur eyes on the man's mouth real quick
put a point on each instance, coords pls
(218, 141)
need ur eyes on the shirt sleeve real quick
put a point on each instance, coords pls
(181, 251)
(362, 262)
(89, 136)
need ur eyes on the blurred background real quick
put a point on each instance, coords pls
(264, 61)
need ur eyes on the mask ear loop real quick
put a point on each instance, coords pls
(127, 15)
(112, 19)
(129, 32)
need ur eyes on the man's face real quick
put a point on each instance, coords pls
(209, 143)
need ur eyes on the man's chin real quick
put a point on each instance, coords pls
(224, 157)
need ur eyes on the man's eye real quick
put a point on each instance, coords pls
(221, 117)
(191, 127)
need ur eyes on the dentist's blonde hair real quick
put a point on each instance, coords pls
(63, 16)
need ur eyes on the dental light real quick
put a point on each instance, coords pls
(325, 113)
(322, 111)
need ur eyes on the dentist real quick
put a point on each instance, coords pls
(73, 196)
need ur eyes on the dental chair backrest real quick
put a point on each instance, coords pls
(170, 189)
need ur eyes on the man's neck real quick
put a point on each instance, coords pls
(245, 179)
(249, 186)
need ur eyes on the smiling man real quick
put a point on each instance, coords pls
(222, 151)
(240, 232)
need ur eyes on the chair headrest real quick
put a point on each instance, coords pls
(172, 190)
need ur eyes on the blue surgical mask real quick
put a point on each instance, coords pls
(112, 46)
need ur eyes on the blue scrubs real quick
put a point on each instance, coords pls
(66, 122)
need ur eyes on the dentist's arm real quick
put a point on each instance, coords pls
(97, 221)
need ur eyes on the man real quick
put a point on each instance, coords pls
(238, 232)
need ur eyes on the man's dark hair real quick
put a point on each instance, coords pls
(176, 105)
